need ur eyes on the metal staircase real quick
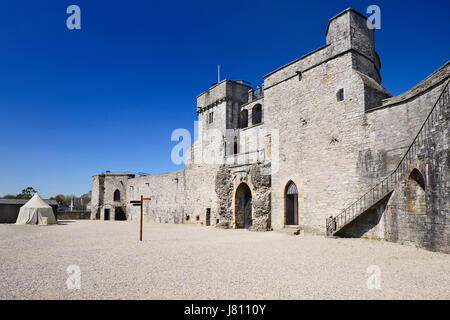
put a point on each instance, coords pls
(383, 188)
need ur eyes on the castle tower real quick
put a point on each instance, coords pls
(348, 32)
(218, 111)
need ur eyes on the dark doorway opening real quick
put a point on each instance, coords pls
(106, 214)
(97, 215)
(208, 216)
(291, 204)
(119, 214)
(243, 206)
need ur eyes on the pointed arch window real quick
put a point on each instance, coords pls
(117, 195)
(257, 114)
(244, 118)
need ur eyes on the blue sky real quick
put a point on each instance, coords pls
(108, 96)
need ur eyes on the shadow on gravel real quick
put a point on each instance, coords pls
(65, 222)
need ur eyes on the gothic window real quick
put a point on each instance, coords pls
(244, 118)
(117, 195)
(235, 146)
(256, 114)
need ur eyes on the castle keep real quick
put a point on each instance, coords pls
(320, 146)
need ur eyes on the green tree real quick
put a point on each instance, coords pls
(60, 198)
(9, 196)
(27, 193)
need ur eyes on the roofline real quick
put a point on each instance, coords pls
(24, 201)
(224, 80)
(403, 97)
(341, 13)
(294, 61)
(114, 174)
(181, 171)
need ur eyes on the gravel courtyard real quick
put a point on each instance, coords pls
(192, 262)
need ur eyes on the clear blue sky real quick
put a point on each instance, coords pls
(107, 97)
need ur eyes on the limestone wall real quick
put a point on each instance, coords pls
(319, 141)
(417, 211)
(391, 128)
(103, 188)
(255, 176)
(167, 193)
(424, 220)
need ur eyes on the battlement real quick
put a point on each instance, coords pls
(121, 174)
(347, 32)
(226, 90)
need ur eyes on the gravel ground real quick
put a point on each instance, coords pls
(192, 262)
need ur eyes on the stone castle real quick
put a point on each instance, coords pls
(320, 147)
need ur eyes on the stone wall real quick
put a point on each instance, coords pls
(73, 215)
(417, 210)
(167, 195)
(103, 188)
(319, 141)
(391, 128)
(259, 182)
(319, 136)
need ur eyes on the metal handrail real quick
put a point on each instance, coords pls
(333, 224)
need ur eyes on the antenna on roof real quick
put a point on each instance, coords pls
(218, 73)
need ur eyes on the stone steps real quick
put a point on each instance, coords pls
(291, 230)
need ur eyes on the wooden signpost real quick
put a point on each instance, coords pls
(140, 203)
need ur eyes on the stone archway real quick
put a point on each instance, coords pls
(243, 206)
(415, 193)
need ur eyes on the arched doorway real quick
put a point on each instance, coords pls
(243, 206)
(415, 193)
(291, 204)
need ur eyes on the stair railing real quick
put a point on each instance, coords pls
(375, 194)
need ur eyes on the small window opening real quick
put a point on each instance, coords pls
(340, 95)
(117, 195)
(244, 118)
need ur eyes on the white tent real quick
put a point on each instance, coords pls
(36, 211)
